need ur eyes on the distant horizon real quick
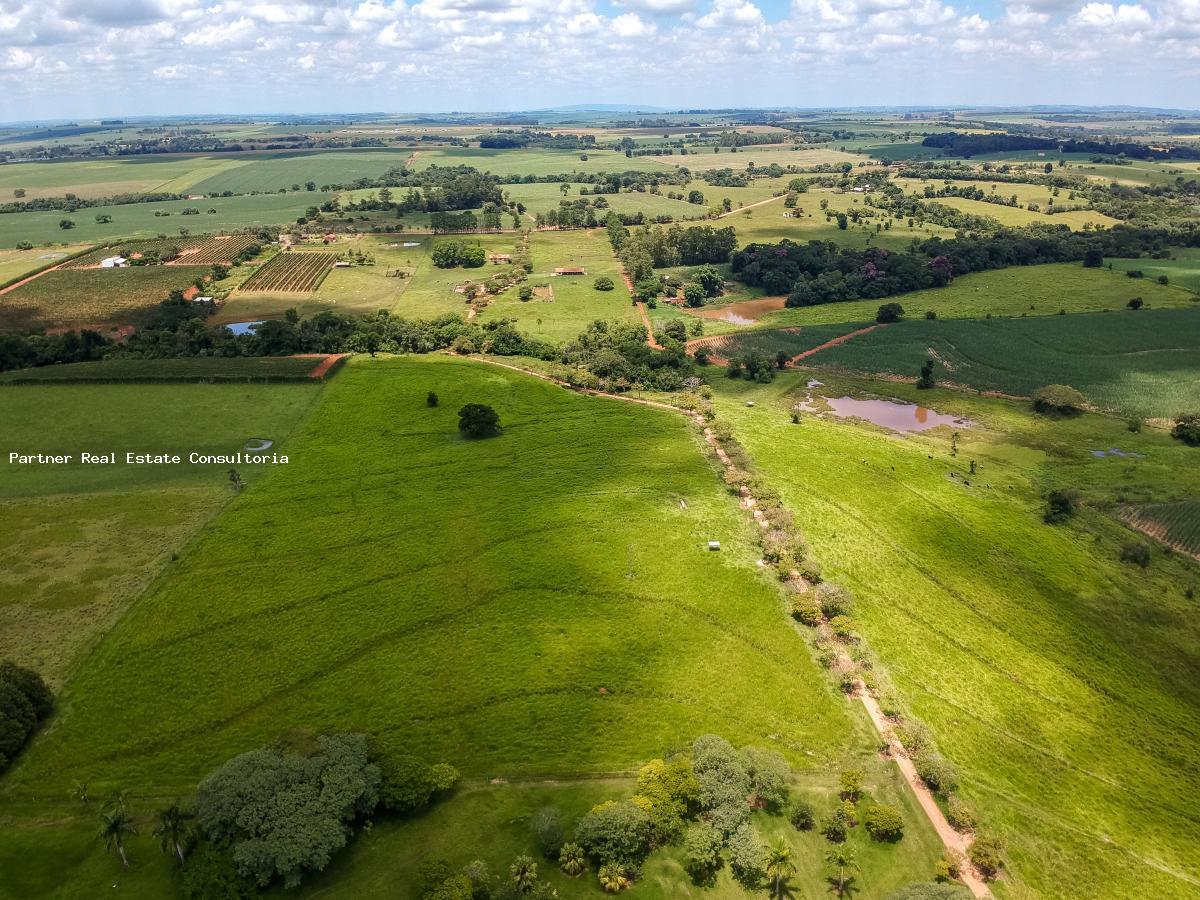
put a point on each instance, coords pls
(613, 108)
(70, 59)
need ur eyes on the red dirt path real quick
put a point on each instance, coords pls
(327, 362)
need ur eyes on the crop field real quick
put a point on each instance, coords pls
(576, 302)
(791, 341)
(1143, 363)
(1014, 292)
(81, 541)
(569, 589)
(78, 298)
(94, 178)
(139, 220)
(536, 162)
(704, 159)
(1182, 269)
(273, 171)
(203, 250)
(298, 272)
(1058, 679)
(1175, 524)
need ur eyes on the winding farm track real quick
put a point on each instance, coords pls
(27, 279)
(716, 342)
(833, 343)
(953, 841)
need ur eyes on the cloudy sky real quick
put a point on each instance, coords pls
(80, 58)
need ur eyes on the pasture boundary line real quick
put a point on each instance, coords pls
(952, 840)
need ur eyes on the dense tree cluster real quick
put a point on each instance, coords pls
(25, 702)
(953, 143)
(643, 251)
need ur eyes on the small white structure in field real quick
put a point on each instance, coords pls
(714, 545)
(113, 262)
(202, 299)
(749, 402)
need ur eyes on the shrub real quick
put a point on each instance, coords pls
(24, 702)
(948, 866)
(889, 312)
(1061, 505)
(478, 420)
(603, 283)
(937, 772)
(851, 781)
(693, 294)
(1058, 400)
(769, 774)
(1135, 303)
(571, 859)
(431, 399)
(884, 823)
(836, 826)
(446, 254)
(747, 857)
(463, 345)
(806, 609)
(843, 626)
(1187, 429)
(285, 812)
(835, 600)
(959, 814)
(473, 257)
(702, 853)
(930, 315)
(801, 816)
(1135, 552)
(987, 853)
(615, 832)
(1093, 258)
(525, 293)
(1163, 280)
(408, 783)
(548, 831)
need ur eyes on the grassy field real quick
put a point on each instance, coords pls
(198, 368)
(705, 160)
(552, 561)
(536, 162)
(1143, 363)
(272, 171)
(138, 220)
(1060, 680)
(15, 263)
(92, 178)
(574, 302)
(545, 197)
(83, 540)
(1182, 269)
(791, 341)
(1016, 291)
(91, 297)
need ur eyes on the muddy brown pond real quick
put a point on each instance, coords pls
(891, 414)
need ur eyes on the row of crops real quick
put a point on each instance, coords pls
(1175, 524)
(202, 250)
(295, 272)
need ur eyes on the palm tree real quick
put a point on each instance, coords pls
(80, 792)
(841, 858)
(780, 868)
(523, 874)
(613, 878)
(571, 860)
(116, 825)
(172, 830)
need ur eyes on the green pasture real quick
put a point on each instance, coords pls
(1144, 363)
(1058, 679)
(1015, 217)
(1182, 269)
(187, 368)
(1016, 291)
(139, 220)
(550, 563)
(273, 171)
(543, 197)
(92, 297)
(537, 161)
(15, 263)
(703, 159)
(83, 540)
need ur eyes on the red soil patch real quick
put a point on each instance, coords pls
(753, 310)
(837, 340)
(191, 292)
(327, 362)
(13, 287)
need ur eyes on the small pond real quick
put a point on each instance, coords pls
(891, 414)
(242, 327)
(1120, 454)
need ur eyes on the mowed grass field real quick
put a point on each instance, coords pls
(15, 263)
(1060, 680)
(273, 171)
(138, 220)
(1144, 363)
(77, 298)
(541, 611)
(1182, 269)
(535, 162)
(1015, 217)
(81, 542)
(93, 178)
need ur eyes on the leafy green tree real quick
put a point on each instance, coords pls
(693, 294)
(926, 379)
(286, 810)
(884, 823)
(1058, 400)
(211, 874)
(603, 283)
(889, 312)
(431, 399)
(702, 852)
(546, 825)
(615, 832)
(1187, 429)
(747, 857)
(836, 826)
(987, 854)
(478, 420)
(851, 781)
(116, 825)
(801, 816)
(769, 775)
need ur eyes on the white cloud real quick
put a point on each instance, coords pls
(230, 34)
(306, 62)
(1105, 15)
(629, 25)
(731, 14)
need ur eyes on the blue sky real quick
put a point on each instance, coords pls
(86, 58)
